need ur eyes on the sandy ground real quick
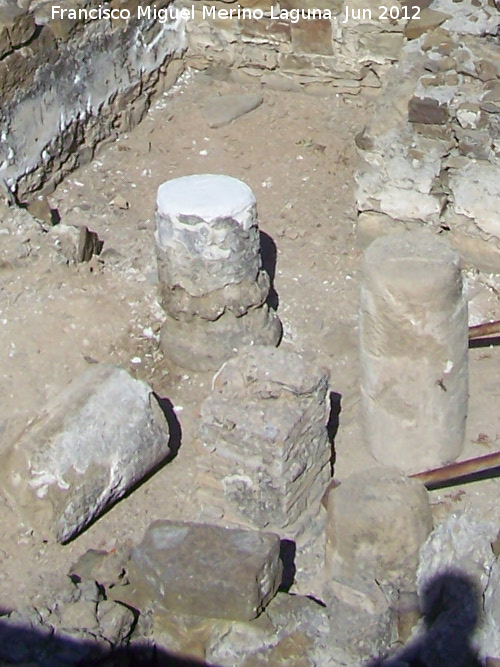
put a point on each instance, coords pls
(297, 154)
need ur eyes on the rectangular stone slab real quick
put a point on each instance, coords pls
(205, 570)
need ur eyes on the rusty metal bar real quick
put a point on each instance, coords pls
(444, 476)
(486, 329)
(454, 472)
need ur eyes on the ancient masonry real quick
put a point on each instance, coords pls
(263, 430)
(212, 285)
(429, 158)
(67, 85)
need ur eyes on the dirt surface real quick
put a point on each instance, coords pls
(297, 154)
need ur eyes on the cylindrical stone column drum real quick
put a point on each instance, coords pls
(207, 227)
(212, 285)
(413, 351)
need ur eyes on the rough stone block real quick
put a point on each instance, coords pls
(458, 585)
(313, 36)
(204, 570)
(264, 431)
(22, 30)
(377, 521)
(428, 19)
(427, 111)
(76, 243)
(84, 451)
(272, 30)
(476, 190)
(381, 46)
(413, 351)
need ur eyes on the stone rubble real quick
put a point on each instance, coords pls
(86, 448)
(75, 243)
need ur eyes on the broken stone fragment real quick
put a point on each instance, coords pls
(204, 570)
(41, 210)
(221, 110)
(105, 568)
(87, 447)
(76, 243)
(428, 19)
(427, 111)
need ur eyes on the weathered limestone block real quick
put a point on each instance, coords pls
(427, 111)
(264, 433)
(212, 286)
(377, 521)
(380, 47)
(414, 346)
(428, 19)
(272, 30)
(84, 451)
(204, 570)
(312, 36)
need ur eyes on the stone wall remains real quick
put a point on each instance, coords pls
(430, 155)
(291, 48)
(68, 84)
